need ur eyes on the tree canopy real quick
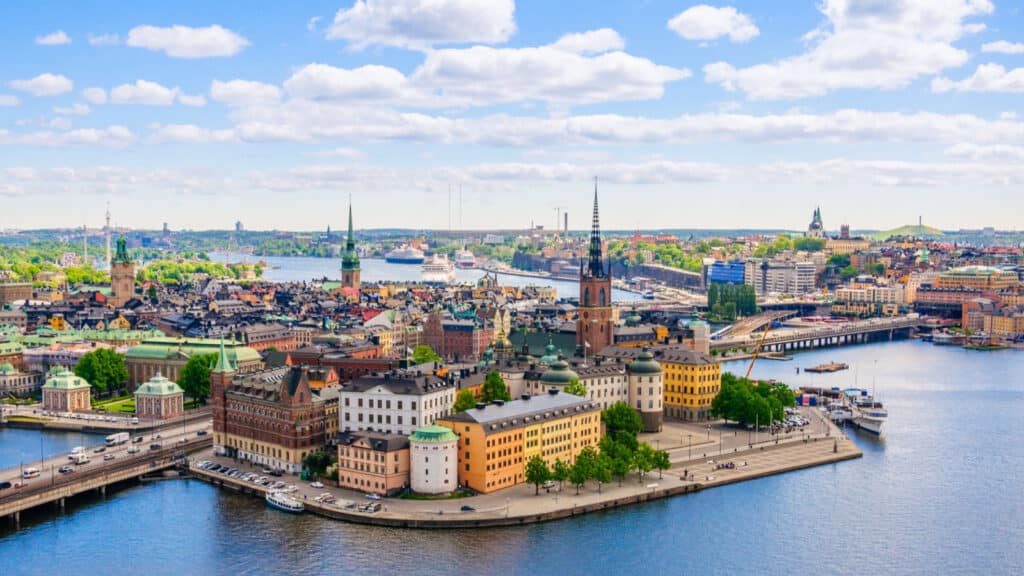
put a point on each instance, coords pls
(422, 354)
(620, 418)
(494, 388)
(195, 376)
(464, 400)
(537, 472)
(742, 401)
(103, 368)
(576, 388)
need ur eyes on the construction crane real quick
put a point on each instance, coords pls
(757, 350)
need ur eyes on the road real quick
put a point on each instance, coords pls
(50, 466)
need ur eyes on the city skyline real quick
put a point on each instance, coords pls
(691, 116)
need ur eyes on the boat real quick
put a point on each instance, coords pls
(438, 270)
(405, 254)
(283, 502)
(465, 260)
(867, 413)
(830, 367)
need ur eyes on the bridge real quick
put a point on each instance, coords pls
(753, 324)
(830, 335)
(52, 488)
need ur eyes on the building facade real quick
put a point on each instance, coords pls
(594, 323)
(497, 440)
(19, 384)
(394, 402)
(434, 454)
(65, 392)
(168, 356)
(373, 462)
(159, 399)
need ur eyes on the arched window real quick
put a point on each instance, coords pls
(586, 296)
(602, 297)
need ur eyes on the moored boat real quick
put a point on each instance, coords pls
(283, 502)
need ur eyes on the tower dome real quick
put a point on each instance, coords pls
(558, 374)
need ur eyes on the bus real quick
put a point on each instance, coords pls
(30, 473)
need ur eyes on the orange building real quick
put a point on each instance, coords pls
(373, 462)
(497, 440)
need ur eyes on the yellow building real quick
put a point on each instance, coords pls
(977, 277)
(497, 440)
(692, 380)
(846, 245)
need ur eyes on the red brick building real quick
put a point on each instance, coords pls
(262, 336)
(594, 325)
(457, 340)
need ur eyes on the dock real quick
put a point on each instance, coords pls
(826, 368)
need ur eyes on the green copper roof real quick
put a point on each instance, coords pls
(550, 353)
(558, 374)
(433, 434)
(64, 379)
(6, 368)
(122, 251)
(350, 260)
(161, 348)
(159, 386)
(645, 364)
(223, 364)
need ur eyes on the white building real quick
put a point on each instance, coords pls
(780, 276)
(433, 460)
(605, 381)
(395, 402)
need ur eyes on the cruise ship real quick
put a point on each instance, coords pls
(438, 269)
(465, 260)
(404, 255)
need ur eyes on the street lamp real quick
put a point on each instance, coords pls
(689, 447)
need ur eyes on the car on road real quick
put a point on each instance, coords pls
(549, 484)
(133, 449)
(201, 433)
(138, 439)
(373, 496)
(467, 508)
(154, 446)
(66, 469)
(99, 450)
(5, 484)
(108, 457)
(317, 484)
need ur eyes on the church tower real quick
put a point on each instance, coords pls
(350, 259)
(220, 379)
(122, 275)
(594, 327)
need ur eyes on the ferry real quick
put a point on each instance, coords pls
(438, 270)
(465, 260)
(405, 255)
(867, 414)
(284, 502)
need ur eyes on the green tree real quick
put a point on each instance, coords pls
(195, 376)
(560, 472)
(643, 460)
(879, 269)
(661, 462)
(583, 468)
(103, 368)
(464, 400)
(712, 295)
(602, 471)
(537, 472)
(423, 354)
(849, 272)
(494, 388)
(317, 462)
(576, 388)
(621, 419)
(151, 293)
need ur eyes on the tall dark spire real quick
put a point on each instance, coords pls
(350, 244)
(595, 267)
(350, 259)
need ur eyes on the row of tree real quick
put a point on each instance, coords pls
(745, 402)
(729, 301)
(618, 454)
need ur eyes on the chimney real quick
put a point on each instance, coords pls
(499, 402)
(480, 405)
(524, 397)
(553, 391)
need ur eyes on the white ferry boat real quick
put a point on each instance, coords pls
(867, 414)
(438, 269)
(283, 502)
(404, 255)
(465, 260)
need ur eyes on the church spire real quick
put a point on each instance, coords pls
(350, 259)
(223, 365)
(595, 267)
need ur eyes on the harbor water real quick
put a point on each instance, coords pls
(940, 494)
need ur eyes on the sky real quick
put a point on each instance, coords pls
(739, 114)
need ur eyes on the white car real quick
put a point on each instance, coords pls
(316, 484)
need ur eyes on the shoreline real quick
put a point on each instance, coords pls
(761, 461)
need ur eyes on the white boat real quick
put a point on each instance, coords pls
(404, 255)
(465, 260)
(438, 269)
(283, 502)
(867, 414)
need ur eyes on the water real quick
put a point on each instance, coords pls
(24, 447)
(300, 268)
(939, 495)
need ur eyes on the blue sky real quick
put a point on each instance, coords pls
(733, 114)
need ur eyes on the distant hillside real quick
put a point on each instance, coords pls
(910, 230)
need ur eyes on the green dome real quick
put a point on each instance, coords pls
(6, 368)
(434, 434)
(558, 374)
(159, 386)
(645, 364)
(550, 354)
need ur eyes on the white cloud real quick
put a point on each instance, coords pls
(993, 152)
(897, 173)
(590, 42)
(654, 172)
(244, 92)
(195, 101)
(142, 92)
(187, 42)
(114, 136)
(9, 100)
(43, 85)
(53, 39)
(987, 78)
(1003, 47)
(347, 153)
(77, 109)
(420, 24)
(866, 44)
(321, 81)
(103, 39)
(311, 23)
(95, 95)
(190, 133)
(703, 22)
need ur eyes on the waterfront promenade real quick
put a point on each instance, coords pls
(820, 443)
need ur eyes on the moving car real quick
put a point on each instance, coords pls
(66, 469)
(317, 484)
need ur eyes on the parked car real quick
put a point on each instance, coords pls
(316, 484)
(373, 496)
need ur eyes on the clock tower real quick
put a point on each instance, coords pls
(594, 326)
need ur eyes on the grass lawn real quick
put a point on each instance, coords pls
(123, 405)
(25, 419)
